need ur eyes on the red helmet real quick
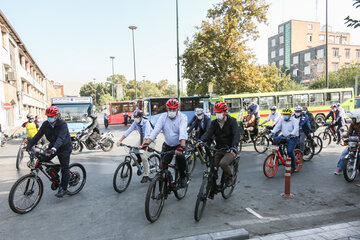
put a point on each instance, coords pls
(172, 103)
(220, 107)
(52, 111)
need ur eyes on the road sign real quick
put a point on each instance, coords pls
(210, 87)
(7, 106)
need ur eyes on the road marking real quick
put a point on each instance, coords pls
(4, 193)
(254, 213)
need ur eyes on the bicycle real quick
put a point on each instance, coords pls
(273, 160)
(123, 173)
(309, 149)
(329, 135)
(4, 139)
(194, 153)
(209, 183)
(29, 189)
(317, 142)
(161, 186)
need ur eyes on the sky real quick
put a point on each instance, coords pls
(71, 41)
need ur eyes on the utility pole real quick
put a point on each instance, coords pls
(177, 51)
(132, 30)
(112, 84)
(143, 87)
(327, 52)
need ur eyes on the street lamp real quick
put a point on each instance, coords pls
(112, 85)
(132, 30)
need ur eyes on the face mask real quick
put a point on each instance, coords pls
(137, 120)
(51, 119)
(200, 117)
(31, 120)
(297, 114)
(171, 114)
(220, 116)
(286, 118)
(272, 112)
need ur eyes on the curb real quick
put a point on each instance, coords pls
(237, 234)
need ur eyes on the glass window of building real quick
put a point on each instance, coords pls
(309, 26)
(295, 59)
(320, 67)
(344, 40)
(307, 57)
(347, 53)
(281, 39)
(307, 70)
(320, 53)
(273, 42)
(338, 39)
(281, 29)
(294, 73)
(335, 66)
(358, 53)
(332, 39)
(309, 37)
(281, 52)
(273, 54)
(281, 63)
(335, 52)
(322, 37)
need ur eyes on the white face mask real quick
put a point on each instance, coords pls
(297, 114)
(220, 116)
(200, 117)
(137, 120)
(171, 114)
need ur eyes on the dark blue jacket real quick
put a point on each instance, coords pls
(196, 123)
(304, 123)
(331, 114)
(58, 136)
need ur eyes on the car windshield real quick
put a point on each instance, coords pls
(75, 113)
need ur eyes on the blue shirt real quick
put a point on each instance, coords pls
(146, 128)
(290, 127)
(174, 129)
(255, 110)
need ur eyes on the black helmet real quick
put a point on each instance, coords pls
(138, 113)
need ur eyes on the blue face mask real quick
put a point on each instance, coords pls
(51, 119)
(286, 118)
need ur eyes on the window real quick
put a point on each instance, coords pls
(358, 53)
(309, 37)
(273, 55)
(332, 39)
(285, 101)
(281, 39)
(309, 26)
(319, 53)
(266, 102)
(335, 66)
(281, 29)
(322, 37)
(338, 39)
(335, 52)
(307, 70)
(189, 104)
(281, 63)
(248, 100)
(347, 53)
(295, 59)
(301, 99)
(347, 65)
(346, 96)
(281, 52)
(316, 99)
(344, 40)
(320, 67)
(294, 73)
(234, 105)
(273, 42)
(307, 57)
(332, 98)
(4, 38)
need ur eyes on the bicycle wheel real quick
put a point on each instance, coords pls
(25, 194)
(3, 141)
(261, 144)
(318, 144)
(154, 164)
(180, 192)
(298, 159)
(326, 138)
(227, 191)
(155, 198)
(202, 198)
(77, 178)
(240, 145)
(191, 161)
(19, 157)
(308, 150)
(350, 170)
(270, 166)
(122, 177)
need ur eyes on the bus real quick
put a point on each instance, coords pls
(153, 107)
(74, 111)
(357, 102)
(116, 110)
(318, 101)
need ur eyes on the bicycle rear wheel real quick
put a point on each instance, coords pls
(25, 194)
(122, 177)
(261, 144)
(77, 178)
(270, 166)
(202, 198)
(298, 159)
(155, 198)
(318, 144)
(191, 161)
(326, 138)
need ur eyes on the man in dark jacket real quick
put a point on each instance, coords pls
(227, 136)
(57, 133)
(200, 123)
(313, 124)
(336, 121)
(94, 127)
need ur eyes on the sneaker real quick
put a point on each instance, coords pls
(145, 179)
(61, 193)
(338, 172)
(182, 182)
(230, 181)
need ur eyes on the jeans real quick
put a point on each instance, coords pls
(339, 127)
(180, 159)
(291, 144)
(340, 164)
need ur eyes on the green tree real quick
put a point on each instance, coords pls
(353, 22)
(95, 90)
(218, 53)
(106, 98)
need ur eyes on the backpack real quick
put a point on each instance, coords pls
(313, 124)
(152, 126)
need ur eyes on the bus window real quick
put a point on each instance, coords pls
(146, 108)
(285, 101)
(316, 99)
(233, 105)
(266, 102)
(248, 100)
(301, 100)
(188, 105)
(332, 98)
(346, 96)
(357, 102)
(158, 106)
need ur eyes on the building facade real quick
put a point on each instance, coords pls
(299, 49)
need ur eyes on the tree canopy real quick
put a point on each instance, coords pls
(353, 22)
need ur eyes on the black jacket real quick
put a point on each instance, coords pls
(58, 136)
(94, 127)
(335, 117)
(227, 136)
(196, 124)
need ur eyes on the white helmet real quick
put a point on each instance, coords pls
(199, 111)
(354, 114)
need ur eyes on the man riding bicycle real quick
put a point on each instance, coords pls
(289, 126)
(200, 122)
(31, 126)
(174, 125)
(57, 133)
(227, 137)
(336, 121)
(304, 127)
(250, 124)
(144, 128)
(274, 116)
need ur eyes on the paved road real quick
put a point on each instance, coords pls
(98, 212)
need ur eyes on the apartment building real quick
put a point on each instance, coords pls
(299, 48)
(22, 83)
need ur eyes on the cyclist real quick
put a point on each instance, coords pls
(200, 122)
(94, 127)
(274, 116)
(227, 135)
(255, 111)
(57, 133)
(304, 126)
(336, 121)
(174, 125)
(289, 126)
(313, 124)
(342, 114)
(144, 128)
(354, 130)
(250, 124)
(31, 126)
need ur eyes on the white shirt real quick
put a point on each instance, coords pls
(174, 129)
(274, 117)
(290, 127)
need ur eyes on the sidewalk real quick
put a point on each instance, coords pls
(349, 231)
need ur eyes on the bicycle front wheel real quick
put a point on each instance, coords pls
(326, 139)
(298, 159)
(202, 198)
(261, 144)
(19, 157)
(25, 194)
(122, 177)
(155, 198)
(77, 178)
(154, 164)
(318, 144)
(270, 165)
(180, 192)
(191, 162)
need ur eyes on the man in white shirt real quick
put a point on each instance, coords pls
(289, 126)
(174, 126)
(274, 116)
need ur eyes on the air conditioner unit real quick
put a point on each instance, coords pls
(11, 76)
